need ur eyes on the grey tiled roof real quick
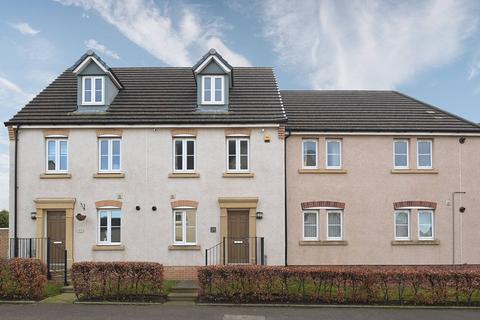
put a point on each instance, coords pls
(158, 96)
(357, 111)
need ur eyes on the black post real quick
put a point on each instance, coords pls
(49, 275)
(30, 247)
(262, 250)
(65, 282)
(206, 257)
(223, 244)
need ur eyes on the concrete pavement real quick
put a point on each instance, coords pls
(177, 312)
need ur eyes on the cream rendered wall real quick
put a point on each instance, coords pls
(369, 190)
(147, 161)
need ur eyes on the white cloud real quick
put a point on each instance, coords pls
(367, 44)
(96, 46)
(174, 34)
(24, 28)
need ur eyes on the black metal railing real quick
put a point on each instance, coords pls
(52, 253)
(237, 250)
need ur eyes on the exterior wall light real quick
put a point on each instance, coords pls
(137, 208)
(33, 215)
(80, 217)
(259, 215)
(154, 208)
(462, 209)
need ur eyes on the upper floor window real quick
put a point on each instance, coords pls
(110, 156)
(185, 227)
(402, 225)
(334, 225)
(109, 226)
(424, 154)
(238, 154)
(213, 90)
(57, 155)
(425, 225)
(310, 225)
(310, 156)
(184, 155)
(400, 154)
(334, 154)
(93, 90)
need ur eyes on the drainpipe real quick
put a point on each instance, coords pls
(15, 187)
(453, 223)
(285, 195)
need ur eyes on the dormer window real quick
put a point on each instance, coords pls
(213, 90)
(93, 90)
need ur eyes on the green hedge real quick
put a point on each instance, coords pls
(418, 285)
(118, 281)
(22, 279)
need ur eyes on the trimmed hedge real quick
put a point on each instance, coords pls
(418, 285)
(22, 279)
(118, 281)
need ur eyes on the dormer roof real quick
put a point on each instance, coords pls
(91, 57)
(212, 54)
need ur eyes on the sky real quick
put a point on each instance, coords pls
(427, 49)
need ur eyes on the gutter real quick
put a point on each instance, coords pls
(15, 195)
(286, 194)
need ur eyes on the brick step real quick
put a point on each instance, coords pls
(182, 296)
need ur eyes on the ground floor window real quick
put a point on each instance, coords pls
(185, 227)
(425, 225)
(310, 225)
(109, 226)
(334, 225)
(402, 225)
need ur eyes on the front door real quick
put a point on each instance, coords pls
(237, 240)
(56, 236)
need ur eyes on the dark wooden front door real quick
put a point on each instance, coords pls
(56, 236)
(238, 241)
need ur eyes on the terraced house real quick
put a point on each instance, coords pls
(212, 164)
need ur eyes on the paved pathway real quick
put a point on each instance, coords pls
(176, 312)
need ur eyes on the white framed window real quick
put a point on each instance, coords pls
(238, 155)
(310, 225)
(109, 155)
(402, 225)
(109, 226)
(184, 155)
(57, 155)
(424, 154)
(310, 154)
(334, 225)
(333, 154)
(425, 225)
(93, 90)
(213, 90)
(185, 227)
(400, 154)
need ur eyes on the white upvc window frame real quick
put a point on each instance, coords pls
(304, 166)
(408, 154)
(431, 154)
(184, 141)
(93, 90)
(433, 224)
(184, 242)
(341, 225)
(237, 140)
(316, 225)
(213, 89)
(407, 238)
(109, 211)
(57, 154)
(340, 153)
(110, 155)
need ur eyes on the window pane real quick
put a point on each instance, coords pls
(334, 231)
(191, 226)
(178, 227)
(401, 160)
(207, 96)
(104, 163)
(334, 218)
(190, 162)
(104, 147)
(424, 160)
(401, 218)
(423, 147)
(310, 160)
(425, 224)
(103, 234)
(88, 90)
(103, 218)
(98, 90)
(115, 234)
(333, 160)
(309, 147)
(116, 163)
(190, 147)
(333, 147)
(218, 89)
(116, 218)
(116, 155)
(51, 155)
(232, 164)
(63, 155)
(401, 147)
(178, 155)
(243, 147)
(243, 162)
(232, 147)
(402, 231)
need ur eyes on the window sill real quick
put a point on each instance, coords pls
(323, 243)
(414, 242)
(322, 171)
(108, 247)
(55, 176)
(179, 247)
(183, 175)
(238, 175)
(414, 171)
(118, 175)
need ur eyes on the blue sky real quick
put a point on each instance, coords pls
(428, 49)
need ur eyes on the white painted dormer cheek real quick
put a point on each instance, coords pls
(213, 89)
